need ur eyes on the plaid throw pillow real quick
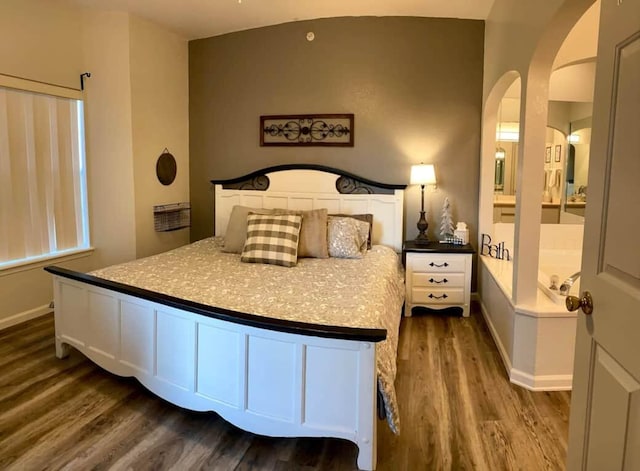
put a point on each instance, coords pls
(272, 239)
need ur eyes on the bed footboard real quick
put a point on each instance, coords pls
(265, 381)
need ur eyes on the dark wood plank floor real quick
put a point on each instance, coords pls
(458, 412)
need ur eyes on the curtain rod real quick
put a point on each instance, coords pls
(86, 74)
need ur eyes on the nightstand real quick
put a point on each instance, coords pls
(437, 276)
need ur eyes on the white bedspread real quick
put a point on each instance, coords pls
(366, 292)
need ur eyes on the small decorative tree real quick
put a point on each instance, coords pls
(446, 222)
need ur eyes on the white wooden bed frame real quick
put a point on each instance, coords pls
(270, 377)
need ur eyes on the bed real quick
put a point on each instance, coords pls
(275, 351)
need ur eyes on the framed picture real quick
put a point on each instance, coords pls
(547, 155)
(558, 155)
(307, 130)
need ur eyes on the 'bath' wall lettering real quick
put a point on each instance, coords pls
(495, 251)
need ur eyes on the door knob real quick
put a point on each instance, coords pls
(585, 303)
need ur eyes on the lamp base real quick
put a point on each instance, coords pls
(422, 225)
(421, 240)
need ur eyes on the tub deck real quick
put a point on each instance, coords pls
(536, 342)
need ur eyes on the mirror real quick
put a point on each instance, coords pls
(575, 117)
(505, 175)
(570, 110)
(506, 157)
(498, 180)
(577, 170)
(566, 160)
(504, 202)
(505, 172)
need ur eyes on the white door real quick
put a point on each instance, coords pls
(605, 408)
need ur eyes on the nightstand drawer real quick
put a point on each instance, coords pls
(434, 263)
(437, 296)
(439, 280)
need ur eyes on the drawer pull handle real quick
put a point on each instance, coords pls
(433, 296)
(444, 280)
(445, 264)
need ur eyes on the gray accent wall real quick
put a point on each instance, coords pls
(414, 85)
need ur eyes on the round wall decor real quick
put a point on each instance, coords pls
(166, 168)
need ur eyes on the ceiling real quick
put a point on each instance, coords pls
(195, 19)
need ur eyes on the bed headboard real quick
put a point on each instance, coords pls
(307, 187)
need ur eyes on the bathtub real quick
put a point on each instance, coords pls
(536, 341)
(561, 264)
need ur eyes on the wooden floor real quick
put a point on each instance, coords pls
(458, 412)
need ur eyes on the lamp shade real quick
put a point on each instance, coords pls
(423, 174)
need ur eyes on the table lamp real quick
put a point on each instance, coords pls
(423, 174)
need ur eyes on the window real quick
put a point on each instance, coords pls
(43, 195)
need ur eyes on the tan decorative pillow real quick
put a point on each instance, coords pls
(313, 234)
(345, 239)
(272, 239)
(236, 234)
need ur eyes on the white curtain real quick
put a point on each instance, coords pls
(41, 175)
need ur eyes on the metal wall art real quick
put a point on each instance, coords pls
(307, 130)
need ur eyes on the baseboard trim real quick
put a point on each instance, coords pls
(25, 316)
(520, 378)
(541, 383)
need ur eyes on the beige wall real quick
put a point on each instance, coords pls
(40, 40)
(581, 43)
(559, 116)
(160, 119)
(26, 294)
(414, 85)
(512, 32)
(56, 44)
(109, 137)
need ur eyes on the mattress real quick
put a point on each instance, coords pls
(363, 293)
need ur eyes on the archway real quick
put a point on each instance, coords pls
(533, 119)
